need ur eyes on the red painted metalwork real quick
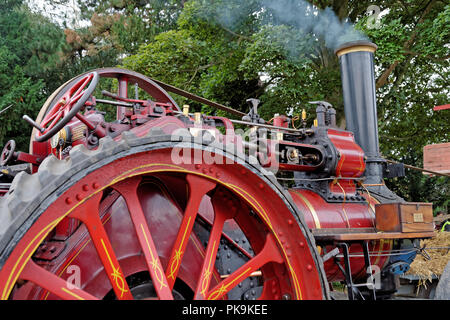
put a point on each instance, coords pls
(158, 205)
(128, 190)
(136, 213)
(222, 212)
(281, 121)
(47, 280)
(101, 241)
(320, 214)
(196, 192)
(443, 107)
(351, 162)
(82, 200)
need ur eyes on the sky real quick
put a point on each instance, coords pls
(68, 14)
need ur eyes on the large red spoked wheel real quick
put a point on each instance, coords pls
(98, 187)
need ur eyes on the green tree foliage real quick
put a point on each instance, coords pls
(100, 33)
(30, 48)
(121, 26)
(413, 77)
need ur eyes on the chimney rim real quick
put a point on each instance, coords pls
(355, 46)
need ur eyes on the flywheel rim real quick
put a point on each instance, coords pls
(142, 145)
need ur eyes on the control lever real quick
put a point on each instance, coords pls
(117, 97)
(33, 123)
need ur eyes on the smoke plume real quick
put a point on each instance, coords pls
(307, 19)
(300, 16)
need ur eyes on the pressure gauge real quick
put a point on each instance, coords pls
(60, 138)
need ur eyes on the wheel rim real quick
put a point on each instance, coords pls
(282, 252)
(62, 112)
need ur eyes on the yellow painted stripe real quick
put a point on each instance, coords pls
(343, 205)
(223, 288)
(155, 264)
(205, 281)
(72, 294)
(311, 209)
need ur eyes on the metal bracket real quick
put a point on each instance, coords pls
(253, 115)
(393, 170)
(330, 255)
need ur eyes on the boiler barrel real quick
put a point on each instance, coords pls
(319, 214)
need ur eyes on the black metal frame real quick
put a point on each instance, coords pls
(353, 292)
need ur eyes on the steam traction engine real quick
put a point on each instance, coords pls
(165, 204)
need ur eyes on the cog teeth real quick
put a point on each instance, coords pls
(104, 143)
(53, 166)
(5, 217)
(21, 194)
(130, 138)
(181, 135)
(28, 186)
(155, 131)
(78, 153)
(109, 146)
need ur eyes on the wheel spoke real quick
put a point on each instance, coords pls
(221, 214)
(57, 114)
(198, 187)
(49, 281)
(128, 190)
(80, 86)
(227, 237)
(73, 100)
(269, 253)
(88, 213)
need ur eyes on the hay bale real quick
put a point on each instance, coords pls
(424, 268)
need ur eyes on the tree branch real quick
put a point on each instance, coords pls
(240, 36)
(382, 80)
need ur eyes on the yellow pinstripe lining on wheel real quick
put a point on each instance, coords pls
(43, 233)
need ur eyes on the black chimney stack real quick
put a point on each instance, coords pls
(360, 105)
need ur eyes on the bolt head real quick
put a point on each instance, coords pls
(286, 296)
